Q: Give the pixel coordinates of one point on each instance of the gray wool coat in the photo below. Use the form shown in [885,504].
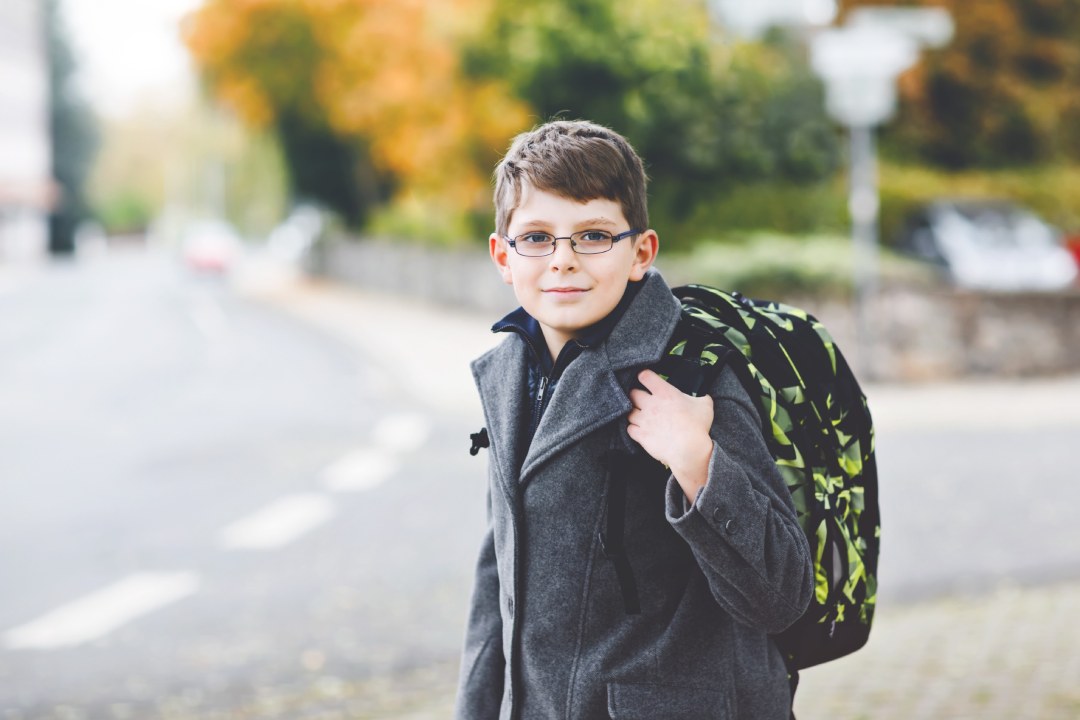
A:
[548,635]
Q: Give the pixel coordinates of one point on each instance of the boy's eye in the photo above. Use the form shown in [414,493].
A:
[535,238]
[593,236]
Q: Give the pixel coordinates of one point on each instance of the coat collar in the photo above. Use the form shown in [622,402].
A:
[591,393]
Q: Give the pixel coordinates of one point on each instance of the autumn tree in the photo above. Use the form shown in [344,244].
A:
[1005,91]
[366,96]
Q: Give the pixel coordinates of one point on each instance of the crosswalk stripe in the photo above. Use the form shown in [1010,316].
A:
[103,611]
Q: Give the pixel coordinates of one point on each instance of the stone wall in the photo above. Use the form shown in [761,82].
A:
[916,334]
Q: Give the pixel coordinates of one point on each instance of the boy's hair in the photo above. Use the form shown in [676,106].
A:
[576,159]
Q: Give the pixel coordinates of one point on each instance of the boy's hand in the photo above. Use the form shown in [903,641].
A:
[673,428]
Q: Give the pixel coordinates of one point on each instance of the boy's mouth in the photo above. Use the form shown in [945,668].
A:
[565,290]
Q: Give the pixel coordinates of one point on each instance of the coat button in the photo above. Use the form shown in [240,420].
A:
[718,514]
[729,527]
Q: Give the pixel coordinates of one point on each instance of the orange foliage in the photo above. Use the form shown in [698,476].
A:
[1006,89]
[385,72]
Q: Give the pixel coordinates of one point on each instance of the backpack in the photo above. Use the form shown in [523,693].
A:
[818,429]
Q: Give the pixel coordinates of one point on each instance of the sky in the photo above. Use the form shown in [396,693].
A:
[129,50]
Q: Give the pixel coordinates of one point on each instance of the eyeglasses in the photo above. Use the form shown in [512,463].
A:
[585,242]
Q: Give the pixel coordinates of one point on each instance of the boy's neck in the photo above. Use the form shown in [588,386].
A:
[555,341]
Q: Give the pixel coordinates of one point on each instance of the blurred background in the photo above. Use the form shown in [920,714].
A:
[243,268]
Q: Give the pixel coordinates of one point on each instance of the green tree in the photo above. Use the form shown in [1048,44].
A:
[73,133]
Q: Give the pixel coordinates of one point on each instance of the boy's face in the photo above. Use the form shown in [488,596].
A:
[567,292]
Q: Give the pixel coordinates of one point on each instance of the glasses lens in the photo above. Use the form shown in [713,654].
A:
[592,241]
[534,244]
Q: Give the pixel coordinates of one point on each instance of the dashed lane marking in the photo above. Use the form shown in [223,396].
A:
[279,523]
[402,433]
[208,317]
[102,612]
[361,469]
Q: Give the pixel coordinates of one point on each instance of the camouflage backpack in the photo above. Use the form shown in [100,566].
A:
[818,428]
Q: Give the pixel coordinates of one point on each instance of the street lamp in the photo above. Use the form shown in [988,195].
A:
[860,64]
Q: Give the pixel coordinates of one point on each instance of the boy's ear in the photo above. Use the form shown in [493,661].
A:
[500,256]
[645,248]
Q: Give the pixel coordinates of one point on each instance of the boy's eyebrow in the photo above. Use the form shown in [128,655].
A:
[590,223]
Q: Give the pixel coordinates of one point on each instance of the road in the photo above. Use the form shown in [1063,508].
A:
[203,497]
[216,506]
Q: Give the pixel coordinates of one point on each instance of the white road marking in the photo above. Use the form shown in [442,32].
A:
[279,523]
[208,317]
[402,433]
[103,611]
[361,469]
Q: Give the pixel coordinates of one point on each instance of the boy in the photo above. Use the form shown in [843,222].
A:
[563,625]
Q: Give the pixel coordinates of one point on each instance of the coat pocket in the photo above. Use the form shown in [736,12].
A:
[652,701]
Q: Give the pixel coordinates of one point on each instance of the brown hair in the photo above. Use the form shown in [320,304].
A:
[576,159]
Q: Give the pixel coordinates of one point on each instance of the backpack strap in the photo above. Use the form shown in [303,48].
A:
[691,373]
[620,467]
[689,370]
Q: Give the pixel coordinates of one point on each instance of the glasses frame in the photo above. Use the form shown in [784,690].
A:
[512,242]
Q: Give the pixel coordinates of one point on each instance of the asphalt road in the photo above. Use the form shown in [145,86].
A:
[202,497]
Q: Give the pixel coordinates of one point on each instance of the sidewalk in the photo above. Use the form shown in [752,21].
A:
[1007,656]
[436,370]
[1012,654]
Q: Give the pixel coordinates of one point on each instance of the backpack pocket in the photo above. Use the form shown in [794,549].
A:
[652,701]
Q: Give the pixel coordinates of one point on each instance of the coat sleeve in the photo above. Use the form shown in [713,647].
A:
[742,527]
[480,683]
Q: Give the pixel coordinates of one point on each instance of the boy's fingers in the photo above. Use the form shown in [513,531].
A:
[652,381]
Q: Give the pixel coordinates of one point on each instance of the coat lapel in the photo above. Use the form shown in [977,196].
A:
[501,376]
[593,391]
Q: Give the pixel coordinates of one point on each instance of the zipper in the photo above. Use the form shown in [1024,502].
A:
[539,406]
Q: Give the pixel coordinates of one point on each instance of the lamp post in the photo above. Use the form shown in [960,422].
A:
[860,64]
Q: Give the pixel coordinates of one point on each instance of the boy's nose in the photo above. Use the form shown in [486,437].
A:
[564,257]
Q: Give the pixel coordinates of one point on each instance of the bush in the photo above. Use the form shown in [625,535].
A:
[778,207]
[125,211]
[779,266]
[1051,191]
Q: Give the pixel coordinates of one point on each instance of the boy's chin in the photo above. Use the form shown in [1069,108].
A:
[566,323]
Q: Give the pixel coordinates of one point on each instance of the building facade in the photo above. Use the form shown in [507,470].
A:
[27,189]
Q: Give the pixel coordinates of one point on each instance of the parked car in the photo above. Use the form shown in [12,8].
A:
[210,245]
[988,245]
[1072,244]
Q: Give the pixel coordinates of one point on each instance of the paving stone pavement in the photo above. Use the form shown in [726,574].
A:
[1013,653]
[1009,655]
